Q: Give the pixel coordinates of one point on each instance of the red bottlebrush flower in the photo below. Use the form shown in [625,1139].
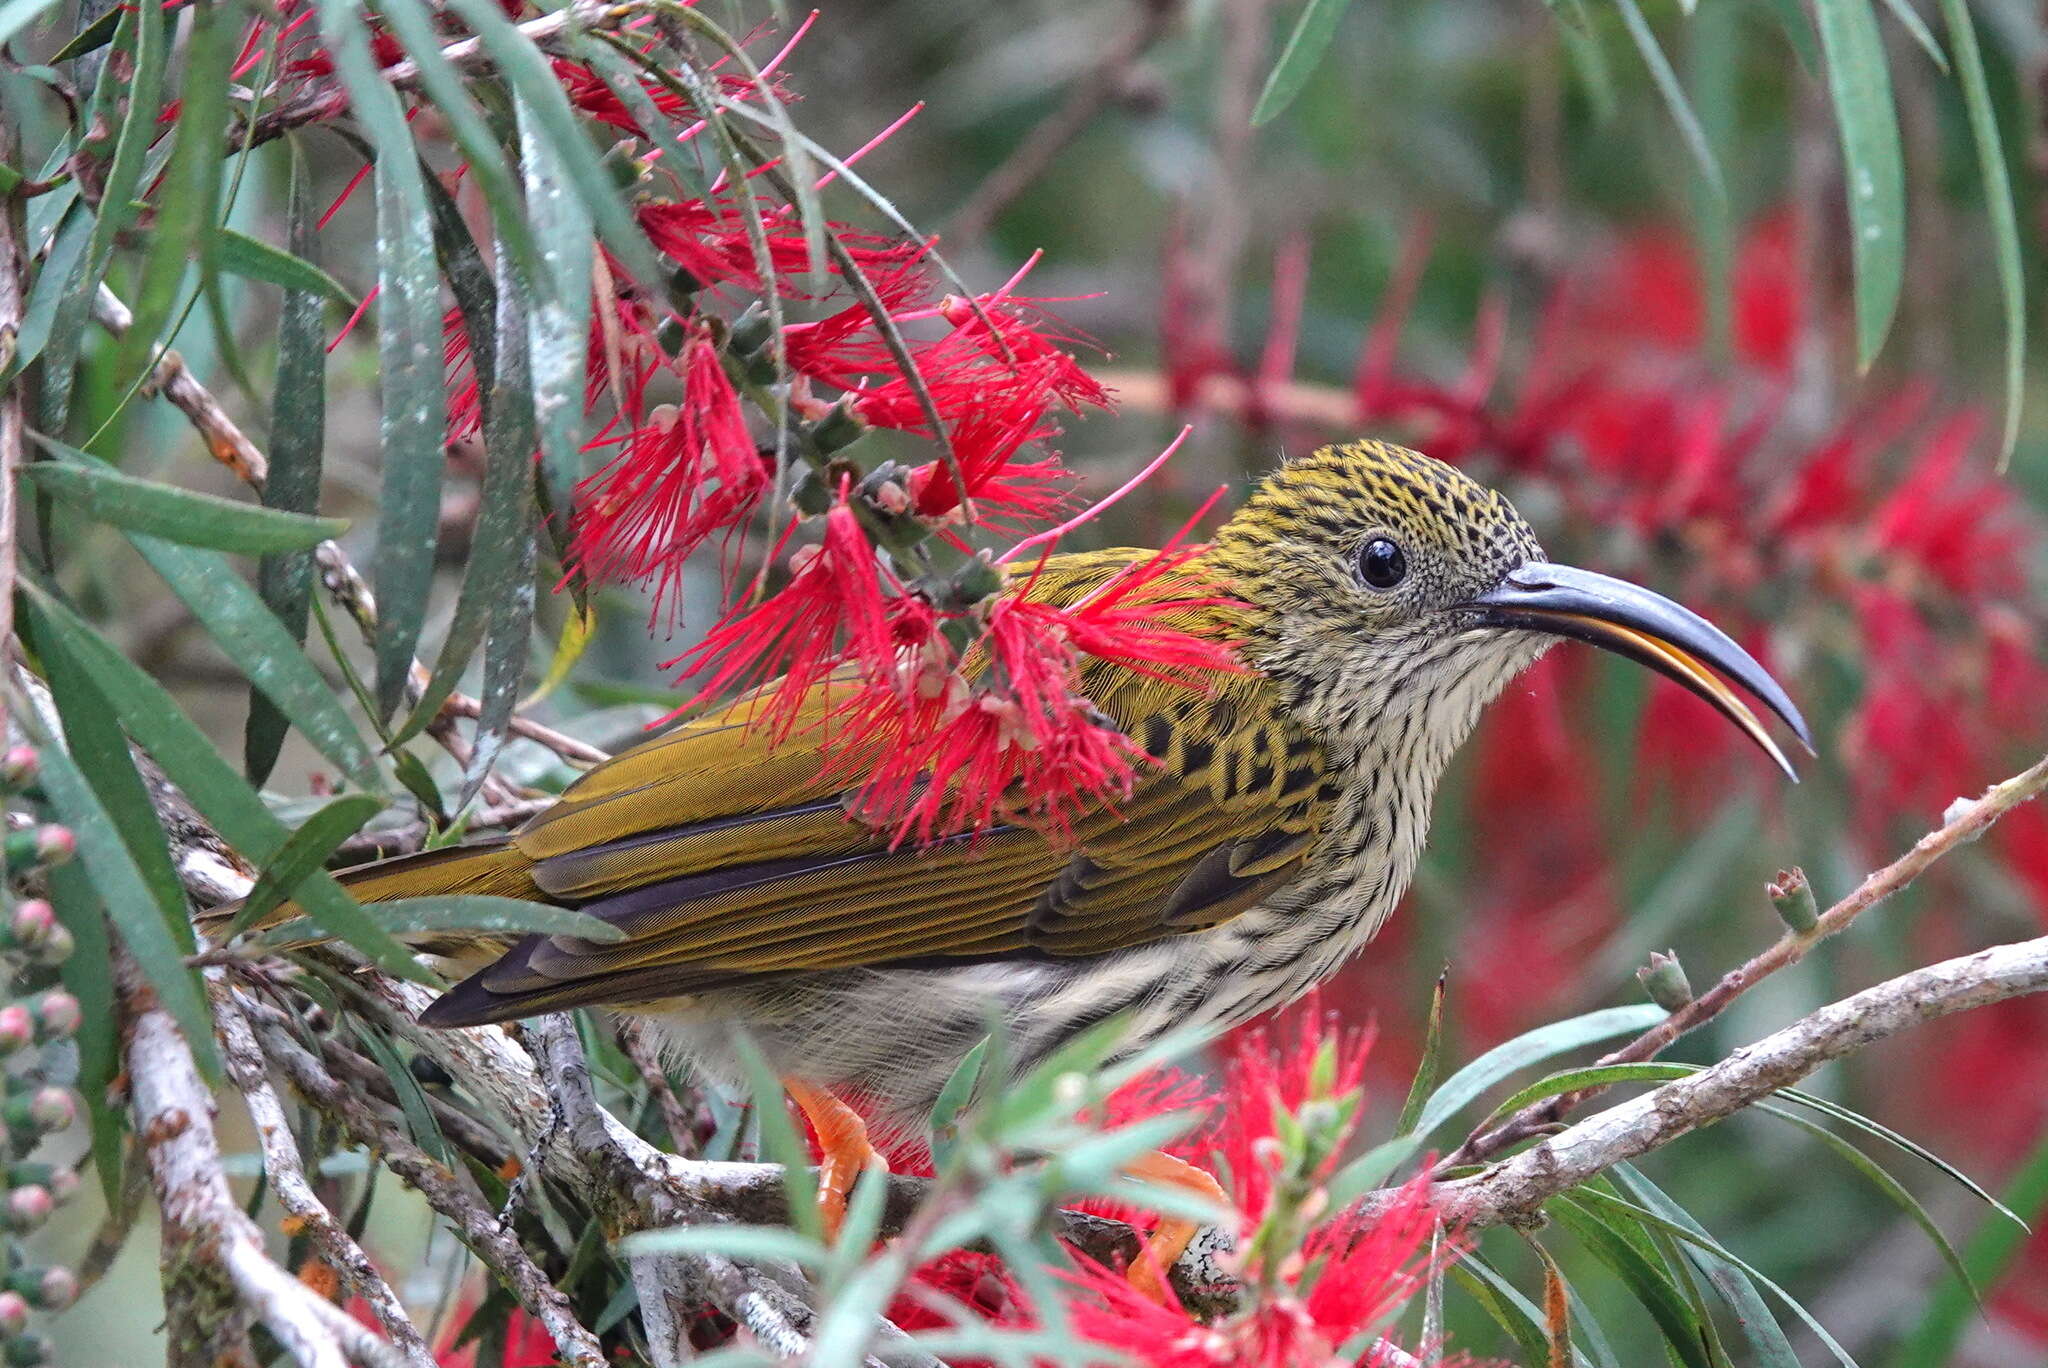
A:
[1958,526]
[836,589]
[936,755]
[960,370]
[690,473]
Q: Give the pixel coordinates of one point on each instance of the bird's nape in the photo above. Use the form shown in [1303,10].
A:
[1646,627]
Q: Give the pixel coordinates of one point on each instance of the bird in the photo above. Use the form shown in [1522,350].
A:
[1376,599]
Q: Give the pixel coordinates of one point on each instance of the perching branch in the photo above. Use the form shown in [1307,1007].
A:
[1513,1189]
[213,1256]
[1965,821]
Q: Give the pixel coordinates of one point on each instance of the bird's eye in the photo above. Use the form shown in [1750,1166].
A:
[1381,563]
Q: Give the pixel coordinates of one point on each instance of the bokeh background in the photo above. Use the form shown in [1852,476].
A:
[1480,230]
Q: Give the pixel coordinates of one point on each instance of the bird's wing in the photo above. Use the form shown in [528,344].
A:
[724,858]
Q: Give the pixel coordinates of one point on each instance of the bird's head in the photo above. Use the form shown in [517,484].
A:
[1385,585]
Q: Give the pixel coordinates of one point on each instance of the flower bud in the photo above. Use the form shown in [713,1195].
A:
[42,1112]
[1663,978]
[62,1185]
[17,1028]
[18,769]
[1792,895]
[57,1015]
[840,428]
[14,1310]
[47,1289]
[30,1351]
[55,844]
[56,947]
[750,332]
[34,920]
[27,1208]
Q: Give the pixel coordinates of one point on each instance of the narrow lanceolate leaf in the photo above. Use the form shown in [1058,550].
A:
[298,429]
[509,435]
[85,977]
[303,852]
[1768,1346]
[1988,1255]
[483,912]
[1860,87]
[148,41]
[61,265]
[1424,1082]
[523,67]
[1673,92]
[130,907]
[153,719]
[447,91]
[558,319]
[1909,19]
[182,516]
[255,259]
[92,734]
[1650,1284]
[1533,1047]
[1299,59]
[415,403]
[1998,204]
[188,204]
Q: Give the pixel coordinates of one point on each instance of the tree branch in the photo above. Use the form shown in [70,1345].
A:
[1965,821]
[1512,1190]
[209,1245]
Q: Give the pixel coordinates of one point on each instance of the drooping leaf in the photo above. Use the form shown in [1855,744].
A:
[412,1100]
[483,912]
[153,719]
[1299,59]
[414,416]
[1673,91]
[298,428]
[558,310]
[256,259]
[179,515]
[1650,1283]
[304,851]
[1988,1255]
[1860,87]
[88,976]
[1766,1337]
[1998,206]
[130,906]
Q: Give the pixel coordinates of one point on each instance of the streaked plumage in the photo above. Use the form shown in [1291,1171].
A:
[1281,825]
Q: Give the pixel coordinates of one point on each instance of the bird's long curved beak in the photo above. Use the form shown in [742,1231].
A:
[1650,630]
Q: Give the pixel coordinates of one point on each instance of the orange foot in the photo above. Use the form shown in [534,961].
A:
[1147,1272]
[843,1137]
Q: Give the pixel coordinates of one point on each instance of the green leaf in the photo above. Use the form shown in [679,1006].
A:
[255,259]
[1988,1255]
[1863,1123]
[92,37]
[1509,1309]
[447,91]
[415,404]
[419,1114]
[130,906]
[1766,1337]
[1651,1285]
[1593,1076]
[485,912]
[88,975]
[142,90]
[1860,86]
[182,516]
[303,852]
[558,318]
[188,204]
[1533,1047]
[752,1242]
[521,65]
[154,720]
[953,1099]
[1909,19]
[61,264]
[1298,60]
[780,1143]
[1669,87]
[1585,1199]
[1886,1184]
[298,428]
[1998,205]
[1426,1068]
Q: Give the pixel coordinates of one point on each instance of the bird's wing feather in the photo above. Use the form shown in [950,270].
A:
[724,859]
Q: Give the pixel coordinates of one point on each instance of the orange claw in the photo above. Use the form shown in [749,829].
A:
[1147,1272]
[843,1137]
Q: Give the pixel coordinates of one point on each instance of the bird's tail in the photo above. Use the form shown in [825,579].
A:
[494,866]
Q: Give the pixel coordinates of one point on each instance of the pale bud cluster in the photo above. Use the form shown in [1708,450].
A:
[38,1019]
